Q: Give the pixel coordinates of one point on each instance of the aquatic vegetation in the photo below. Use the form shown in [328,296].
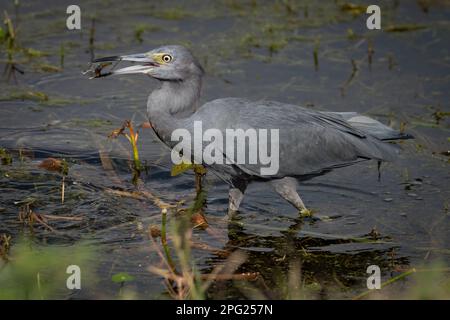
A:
[33,53]
[185,281]
[404,28]
[61,55]
[370,52]
[141,28]
[92,38]
[351,34]
[439,115]
[353,74]
[48,68]
[301,52]
[56,165]
[39,272]
[122,278]
[26,95]
[5,157]
[9,38]
[132,137]
[429,282]
[16,54]
[22,93]
[171,13]
[28,217]
[91,123]
[199,170]
[2,35]
[316,55]
[353,9]
[60,166]
[5,245]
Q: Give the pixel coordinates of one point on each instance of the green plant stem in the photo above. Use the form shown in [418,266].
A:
[164,240]
[133,140]
[384,284]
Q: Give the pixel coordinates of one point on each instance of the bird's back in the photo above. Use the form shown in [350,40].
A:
[310,142]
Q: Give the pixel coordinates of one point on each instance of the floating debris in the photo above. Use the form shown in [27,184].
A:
[199,220]
[56,165]
[154,231]
[60,166]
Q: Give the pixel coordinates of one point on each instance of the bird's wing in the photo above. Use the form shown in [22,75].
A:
[309,141]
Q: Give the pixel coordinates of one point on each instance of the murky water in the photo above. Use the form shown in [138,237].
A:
[249,49]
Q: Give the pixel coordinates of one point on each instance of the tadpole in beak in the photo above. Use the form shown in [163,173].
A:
[146,64]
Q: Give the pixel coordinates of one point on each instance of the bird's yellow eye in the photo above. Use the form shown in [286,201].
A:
[166,58]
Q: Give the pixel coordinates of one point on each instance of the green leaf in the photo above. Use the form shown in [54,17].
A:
[180,168]
[122,277]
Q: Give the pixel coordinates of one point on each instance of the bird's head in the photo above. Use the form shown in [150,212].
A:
[167,63]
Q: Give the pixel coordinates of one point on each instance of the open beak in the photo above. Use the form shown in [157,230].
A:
[145,65]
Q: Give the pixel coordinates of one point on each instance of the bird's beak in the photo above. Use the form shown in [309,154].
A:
[146,64]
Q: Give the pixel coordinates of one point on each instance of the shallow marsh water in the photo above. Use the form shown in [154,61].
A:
[252,49]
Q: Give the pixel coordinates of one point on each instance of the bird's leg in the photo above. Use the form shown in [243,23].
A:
[236,194]
[287,189]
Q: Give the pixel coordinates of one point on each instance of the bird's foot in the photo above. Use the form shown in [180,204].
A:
[231,213]
[306,213]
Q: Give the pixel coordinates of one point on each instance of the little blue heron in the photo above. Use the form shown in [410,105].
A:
[311,143]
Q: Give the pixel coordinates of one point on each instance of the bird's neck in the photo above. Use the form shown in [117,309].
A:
[171,103]
[178,99]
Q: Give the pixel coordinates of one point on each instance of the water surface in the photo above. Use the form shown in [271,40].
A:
[252,49]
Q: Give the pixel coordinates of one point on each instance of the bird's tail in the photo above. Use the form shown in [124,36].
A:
[371,126]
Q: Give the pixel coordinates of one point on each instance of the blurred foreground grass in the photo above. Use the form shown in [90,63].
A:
[34,271]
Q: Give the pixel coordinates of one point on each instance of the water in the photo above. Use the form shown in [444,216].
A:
[261,50]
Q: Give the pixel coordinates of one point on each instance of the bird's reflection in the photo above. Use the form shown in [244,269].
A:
[324,267]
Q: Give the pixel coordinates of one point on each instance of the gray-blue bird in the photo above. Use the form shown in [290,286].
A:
[311,143]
